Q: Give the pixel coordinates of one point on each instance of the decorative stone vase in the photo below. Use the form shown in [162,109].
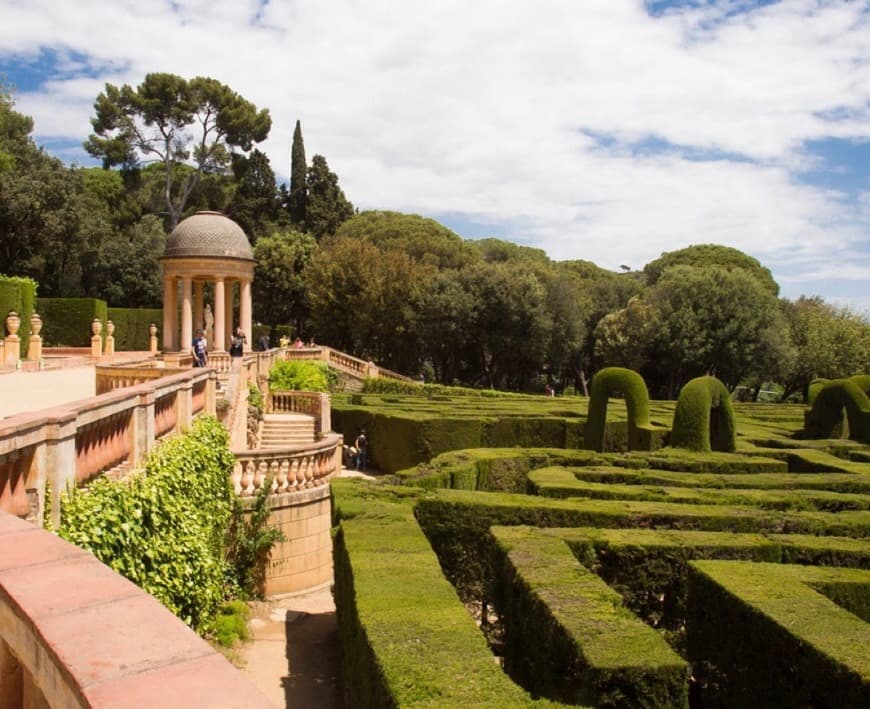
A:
[35,325]
[13,323]
[110,328]
[96,327]
[152,330]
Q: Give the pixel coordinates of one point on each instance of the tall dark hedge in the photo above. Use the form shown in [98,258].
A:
[18,294]
[67,321]
[131,326]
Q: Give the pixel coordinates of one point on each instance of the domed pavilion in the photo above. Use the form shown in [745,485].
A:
[207,247]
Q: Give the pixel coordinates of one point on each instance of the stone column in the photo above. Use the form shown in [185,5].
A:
[152,339]
[12,343]
[186,315]
[142,428]
[228,313]
[170,294]
[198,319]
[219,316]
[245,314]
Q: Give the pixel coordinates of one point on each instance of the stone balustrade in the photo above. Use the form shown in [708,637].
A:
[70,444]
[310,403]
[291,469]
[343,362]
[75,634]
[116,376]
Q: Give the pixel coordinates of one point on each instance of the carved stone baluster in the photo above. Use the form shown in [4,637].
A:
[293,474]
[273,474]
[248,478]
[236,477]
[260,475]
[281,477]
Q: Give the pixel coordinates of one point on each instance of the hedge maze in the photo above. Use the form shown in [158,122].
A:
[546,574]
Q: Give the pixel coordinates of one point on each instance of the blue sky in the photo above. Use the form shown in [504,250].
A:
[609,130]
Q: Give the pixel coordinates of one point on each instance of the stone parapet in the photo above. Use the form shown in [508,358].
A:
[73,633]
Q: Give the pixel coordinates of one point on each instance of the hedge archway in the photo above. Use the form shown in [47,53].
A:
[704,418]
[825,417]
[630,384]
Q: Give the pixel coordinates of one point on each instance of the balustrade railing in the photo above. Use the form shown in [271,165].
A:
[67,444]
[311,403]
[290,469]
[343,362]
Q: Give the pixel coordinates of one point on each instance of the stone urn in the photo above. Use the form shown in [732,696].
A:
[13,323]
[96,327]
[152,330]
[35,325]
[110,328]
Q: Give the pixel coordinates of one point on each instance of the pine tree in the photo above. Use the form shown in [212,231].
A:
[298,186]
[327,206]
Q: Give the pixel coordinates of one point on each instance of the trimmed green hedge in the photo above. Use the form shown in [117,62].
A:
[18,294]
[67,321]
[630,384]
[826,413]
[761,635]
[704,418]
[132,327]
[588,648]
[405,639]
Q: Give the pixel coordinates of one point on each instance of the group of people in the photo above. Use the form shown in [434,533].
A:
[199,349]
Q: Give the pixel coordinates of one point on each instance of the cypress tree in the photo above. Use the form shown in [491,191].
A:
[298,186]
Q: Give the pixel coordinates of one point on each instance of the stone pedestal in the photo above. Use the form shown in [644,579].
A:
[152,339]
[34,347]
[96,340]
[110,338]
[12,343]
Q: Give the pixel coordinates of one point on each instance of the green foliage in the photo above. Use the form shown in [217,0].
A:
[249,542]
[299,375]
[223,119]
[67,321]
[255,397]
[132,326]
[298,206]
[280,297]
[630,384]
[704,417]
[590,648]
[326,207]
[165,529]
[826,413]
[766,637]
[231,623]
[18,294]
[703,255]
[255,202]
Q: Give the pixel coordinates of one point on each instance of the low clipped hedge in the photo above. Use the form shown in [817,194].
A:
[404,638]
[164,529]
[132,327]
[588,648]
[704,417]
[18,294]
[67,321]
[630,384]
[762,635]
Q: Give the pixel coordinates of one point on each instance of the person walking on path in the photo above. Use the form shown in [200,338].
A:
[362,449]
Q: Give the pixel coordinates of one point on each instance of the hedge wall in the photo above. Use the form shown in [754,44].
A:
[588,648]
[404,638]
[761,635]
[704,417]
[67,321]
[132,327]
[18,294]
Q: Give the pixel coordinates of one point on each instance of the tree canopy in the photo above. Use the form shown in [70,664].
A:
[175,121]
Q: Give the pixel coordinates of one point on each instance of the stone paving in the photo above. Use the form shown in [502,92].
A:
[34,391]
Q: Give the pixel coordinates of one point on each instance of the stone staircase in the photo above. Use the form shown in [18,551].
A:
[280,430]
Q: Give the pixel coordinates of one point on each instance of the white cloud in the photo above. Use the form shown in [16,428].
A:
[485,109]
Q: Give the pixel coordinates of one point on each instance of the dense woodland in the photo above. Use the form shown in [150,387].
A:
[399,289]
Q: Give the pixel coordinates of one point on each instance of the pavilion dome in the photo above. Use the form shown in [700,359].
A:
[209,234]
